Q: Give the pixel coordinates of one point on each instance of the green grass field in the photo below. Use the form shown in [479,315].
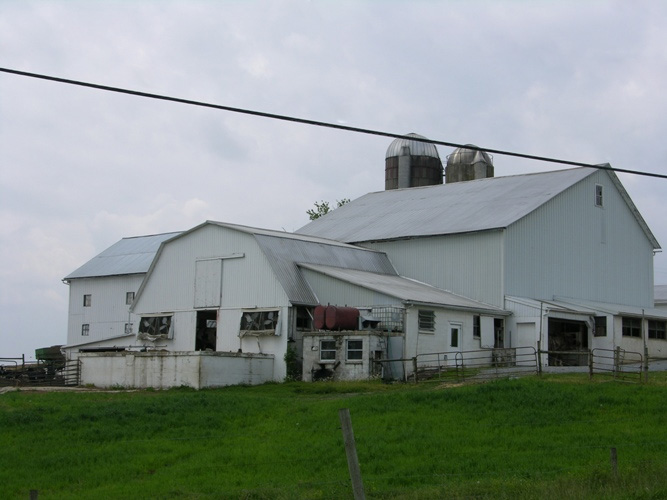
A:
[527,438]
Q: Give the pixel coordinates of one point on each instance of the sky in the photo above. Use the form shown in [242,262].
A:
[82,168]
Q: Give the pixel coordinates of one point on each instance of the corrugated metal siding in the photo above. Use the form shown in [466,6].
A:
[571,248]
[128,256]
[467,264]
[108,312]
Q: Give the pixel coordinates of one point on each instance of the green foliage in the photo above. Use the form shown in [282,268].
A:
[527,438]
[294,366]
[323,208]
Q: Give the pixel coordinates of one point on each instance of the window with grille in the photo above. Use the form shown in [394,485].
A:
[426,321]
[327,350]
[355,350]
[632,327]
[657,330]
[85,330]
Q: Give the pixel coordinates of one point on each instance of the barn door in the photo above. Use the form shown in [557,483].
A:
[208,283]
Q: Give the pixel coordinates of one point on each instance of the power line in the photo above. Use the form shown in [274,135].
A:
[316,123]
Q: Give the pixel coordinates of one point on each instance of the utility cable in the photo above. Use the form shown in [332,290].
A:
[316,123]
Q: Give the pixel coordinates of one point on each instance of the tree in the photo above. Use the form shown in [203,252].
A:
[323,208]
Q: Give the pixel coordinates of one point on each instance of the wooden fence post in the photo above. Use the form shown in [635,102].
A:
[34,494]
[614,462]
[351,452]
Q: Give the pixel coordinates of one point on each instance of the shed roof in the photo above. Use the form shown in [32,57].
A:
[404,289]
[460,207]
[128,256]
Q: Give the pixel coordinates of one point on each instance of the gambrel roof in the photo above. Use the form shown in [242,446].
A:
[284,250]
[127,256]
[460,207]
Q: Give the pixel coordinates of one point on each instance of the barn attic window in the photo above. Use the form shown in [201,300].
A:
[259,323]
[598,195]
[87,300]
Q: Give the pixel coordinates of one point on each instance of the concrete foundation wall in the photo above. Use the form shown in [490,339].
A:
[164,369]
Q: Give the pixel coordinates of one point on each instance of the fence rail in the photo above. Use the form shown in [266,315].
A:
[66,373]
[618,364]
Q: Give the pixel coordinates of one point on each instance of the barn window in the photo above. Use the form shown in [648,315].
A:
[426,321]
[632,327]
[128,328]
[598,195]
[355,350]
[476,327]
[327,350]
[129,298]
[87,300]
[85,330]
[600,326]
[657,330]
[156,326]
[259,322]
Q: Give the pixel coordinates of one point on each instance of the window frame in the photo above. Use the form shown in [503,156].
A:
[633,328]
[129,298]
[85,330]
[145,331]
[87,300]
[426,321]
[657,329]
[455,340]
[253,319]
[599,195]
[357,350]
[477,326]
[328,349]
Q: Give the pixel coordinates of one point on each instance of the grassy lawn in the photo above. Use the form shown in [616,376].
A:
[526,438]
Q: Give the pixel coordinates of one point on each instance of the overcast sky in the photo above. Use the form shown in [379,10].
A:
[82,168]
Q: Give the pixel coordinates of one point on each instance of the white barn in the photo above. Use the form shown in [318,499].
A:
[567,252]
[560,261]
[223,304]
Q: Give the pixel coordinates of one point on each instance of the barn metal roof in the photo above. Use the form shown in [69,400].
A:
[460,207]
[283,250]
[404,289]
[128,256]
[660,294]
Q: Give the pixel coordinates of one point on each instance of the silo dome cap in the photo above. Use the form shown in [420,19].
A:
[467,156]
[416,148]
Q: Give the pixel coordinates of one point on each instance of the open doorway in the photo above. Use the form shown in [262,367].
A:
[206,331]
[571,337]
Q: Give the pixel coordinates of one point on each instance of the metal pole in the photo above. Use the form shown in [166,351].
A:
[351,452]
